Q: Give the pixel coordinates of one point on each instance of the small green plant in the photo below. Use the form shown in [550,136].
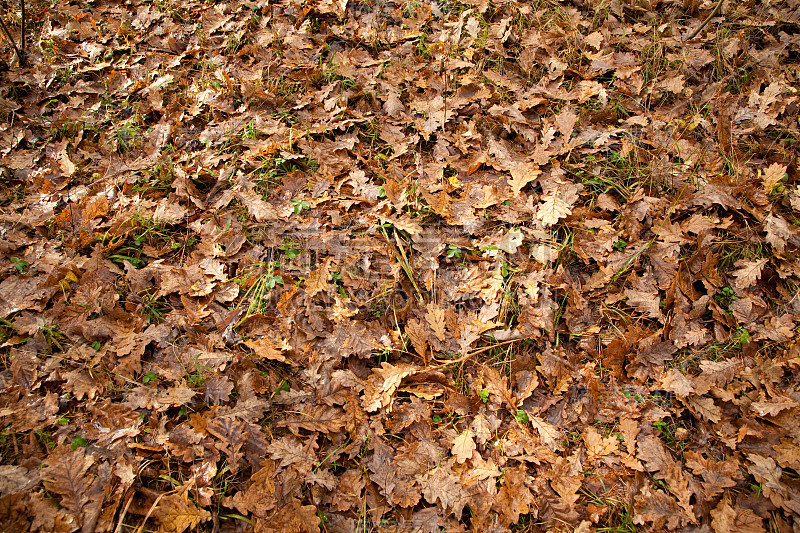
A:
[290,248]
[668,432]
[453,251]
[299,205]
[250,131]
[725,293]
[127,137]
[620,245]
[522,417]
[20,265]
[283,386]
[150,376]
[79,442]
[259,279]
[483,395]
[741,336]
[155,309]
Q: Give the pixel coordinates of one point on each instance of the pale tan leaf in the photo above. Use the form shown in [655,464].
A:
[510,241]
[674,381]
[382,384]
[772,408]
[266,348]
[704,407]
[594,40]
[772,176]
[435,318]
[726,519]
[749,272]
[598,446]
[317,280]
[552,210]
[463,446]
[393,106]
[778,231]
[522,174]
[549,433]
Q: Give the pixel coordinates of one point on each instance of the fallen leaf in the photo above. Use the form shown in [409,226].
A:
[463,446]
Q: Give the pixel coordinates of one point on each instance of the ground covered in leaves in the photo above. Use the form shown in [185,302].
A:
[400,266]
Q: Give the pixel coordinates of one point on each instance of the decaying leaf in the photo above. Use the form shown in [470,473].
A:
[412,266]
[463,446]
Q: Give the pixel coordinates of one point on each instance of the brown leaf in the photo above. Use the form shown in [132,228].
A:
[553,209]
[176,514]
[435,318]
[463,446]
[266,348]
[67,475]
[772,176]
[218,390]
[514,497]
[596,445]
[548,433]
[379,391]
[749,272]
[726,519]
[232,434]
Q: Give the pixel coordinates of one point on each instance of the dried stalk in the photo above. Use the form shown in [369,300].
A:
[707,20]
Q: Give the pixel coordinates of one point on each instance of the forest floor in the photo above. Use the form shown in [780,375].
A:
[421,266]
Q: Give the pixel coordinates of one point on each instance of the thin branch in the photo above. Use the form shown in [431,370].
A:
[10,38]
[22,27]
[706,21]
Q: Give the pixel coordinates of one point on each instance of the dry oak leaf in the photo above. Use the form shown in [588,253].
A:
[522,174]
[772,408]
[376,395]
[717,475]
[463,446]
[653,453]
[317,280]
[322,418]
[218,389]
[176,514]
[596,445]
[66,475]
[553,209]
[511,241]
[772,176]
[259,498]
[15,479]
[787,454]
[674,381]
[440,484]
[726,519]
[704,407]
[749,272]
[548,433]
[266,348]
[514,498]
[768,473]
[778,231]
[435,318]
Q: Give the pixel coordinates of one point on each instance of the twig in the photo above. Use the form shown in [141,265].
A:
[22,27]
[706,21]
[476,352]
[10,39]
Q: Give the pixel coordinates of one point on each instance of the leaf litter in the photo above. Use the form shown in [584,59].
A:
[400,266]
